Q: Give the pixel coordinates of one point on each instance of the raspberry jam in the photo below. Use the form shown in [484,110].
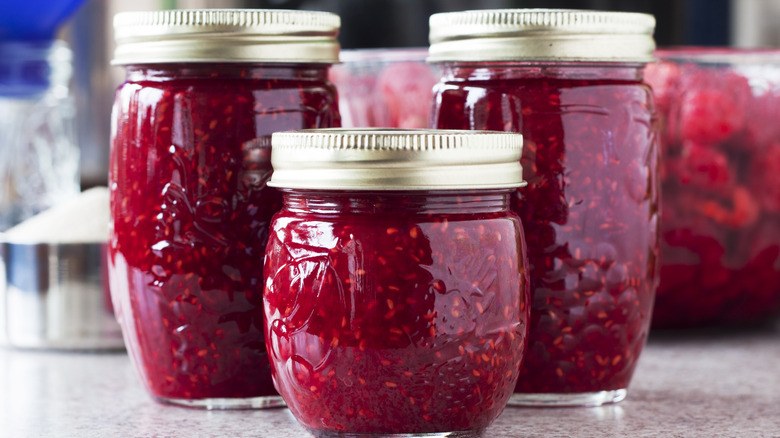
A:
[590,211]
[190,208]
[395,312]
[721,181]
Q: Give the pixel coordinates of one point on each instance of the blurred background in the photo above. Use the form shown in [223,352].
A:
[381,23]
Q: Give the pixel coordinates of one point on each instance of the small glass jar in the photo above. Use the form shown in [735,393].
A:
[190,208]
[720,228]
[396,286]
[571,83]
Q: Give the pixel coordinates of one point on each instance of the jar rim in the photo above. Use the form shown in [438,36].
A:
[226,35]
[385,159]
[719,55]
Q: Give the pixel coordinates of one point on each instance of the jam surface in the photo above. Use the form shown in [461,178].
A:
[395,313]
[721,181]
[190,210]
[589,211]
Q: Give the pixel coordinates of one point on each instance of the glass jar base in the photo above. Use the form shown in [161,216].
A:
[584,399]
[459,434]
[273,401]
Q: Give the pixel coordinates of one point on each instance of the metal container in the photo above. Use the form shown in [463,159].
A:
[55,296]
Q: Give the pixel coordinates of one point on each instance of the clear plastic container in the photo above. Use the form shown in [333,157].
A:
[720,227]
[384,87]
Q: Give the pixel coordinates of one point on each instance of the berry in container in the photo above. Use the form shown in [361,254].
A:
[720,228]
[384,87]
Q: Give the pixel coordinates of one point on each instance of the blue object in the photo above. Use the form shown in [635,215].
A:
[34,20]
[27,68]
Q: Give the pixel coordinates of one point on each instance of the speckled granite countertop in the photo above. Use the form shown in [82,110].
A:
[688,384]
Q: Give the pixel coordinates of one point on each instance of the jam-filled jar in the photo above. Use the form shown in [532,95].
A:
[190,208]
[396,282]
[571,83]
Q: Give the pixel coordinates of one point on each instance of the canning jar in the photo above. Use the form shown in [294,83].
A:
[396,285]
[190,208]
[571,83]
[720,228]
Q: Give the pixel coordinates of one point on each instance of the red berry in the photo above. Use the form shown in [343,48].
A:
[743,211]
[713,105]
[702,167]
[709,116]
[406,88]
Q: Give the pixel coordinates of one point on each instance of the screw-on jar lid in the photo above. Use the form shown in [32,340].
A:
[541,35]
[226,35]
[396,159]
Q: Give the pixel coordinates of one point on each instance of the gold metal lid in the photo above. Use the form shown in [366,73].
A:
[541,35]
[226,35]
[396,159]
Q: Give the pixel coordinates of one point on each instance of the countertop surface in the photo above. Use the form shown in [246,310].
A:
[714,383]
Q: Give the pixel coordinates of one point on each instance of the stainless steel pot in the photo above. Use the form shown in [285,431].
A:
[55,296]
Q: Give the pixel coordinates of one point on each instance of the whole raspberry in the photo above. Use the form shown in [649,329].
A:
[406,88]
[703,168]
[713,105]
[740,212]
[709,116]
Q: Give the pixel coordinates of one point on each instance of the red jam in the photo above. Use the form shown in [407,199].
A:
[190,209]
[721,182]
[399,312]
[589,211]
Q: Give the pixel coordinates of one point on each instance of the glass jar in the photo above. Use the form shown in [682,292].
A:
[571,83]
[40,165]
[396,285]
[190,208]
[720,233]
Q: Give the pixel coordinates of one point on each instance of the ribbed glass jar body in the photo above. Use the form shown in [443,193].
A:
[590,212]
[396,312]
[190,209]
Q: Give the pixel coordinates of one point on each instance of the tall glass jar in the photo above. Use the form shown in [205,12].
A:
[190,208]
[571,83]
[396,284]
